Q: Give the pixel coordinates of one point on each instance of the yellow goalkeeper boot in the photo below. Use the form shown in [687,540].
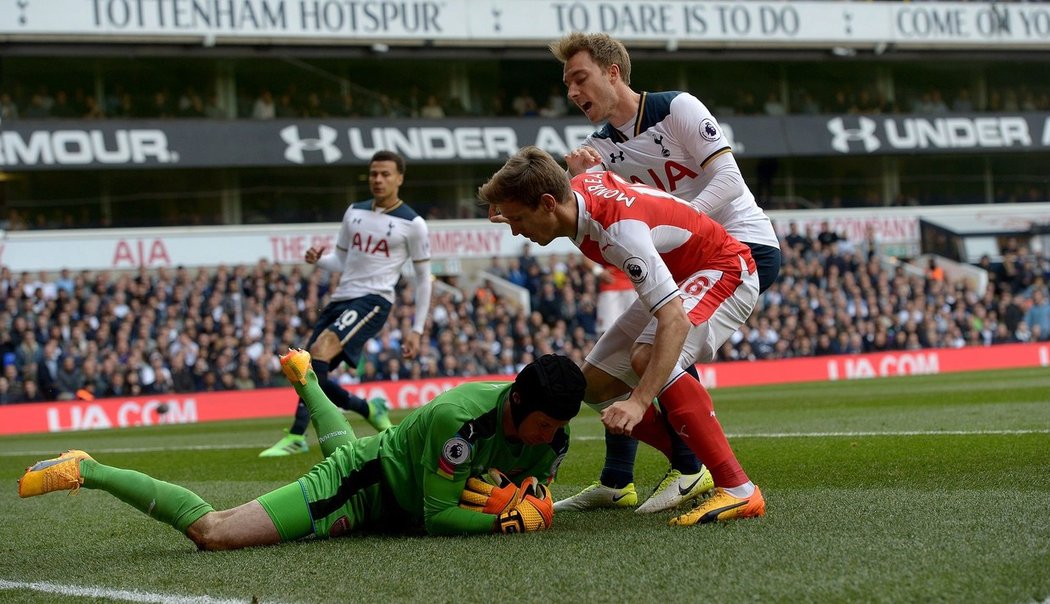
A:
[721,506]
[597,495]
[296,365]
[61,473]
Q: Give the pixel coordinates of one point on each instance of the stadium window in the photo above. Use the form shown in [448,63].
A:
[933,87]
[940,179]
[1019,178]
[845,182]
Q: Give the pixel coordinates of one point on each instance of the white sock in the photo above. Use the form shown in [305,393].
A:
[743,491]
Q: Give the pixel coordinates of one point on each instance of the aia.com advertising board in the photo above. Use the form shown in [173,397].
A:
[49,145]
[192,408]
[277,402]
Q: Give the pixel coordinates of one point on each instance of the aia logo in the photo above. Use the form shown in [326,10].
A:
[370,245]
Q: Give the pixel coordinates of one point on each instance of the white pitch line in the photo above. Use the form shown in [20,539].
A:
[866,434]
[114,594]
[139,449]
[583,438]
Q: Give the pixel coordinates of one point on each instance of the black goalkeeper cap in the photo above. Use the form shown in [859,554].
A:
[552,384]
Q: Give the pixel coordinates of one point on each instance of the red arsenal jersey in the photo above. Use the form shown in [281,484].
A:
[655,238]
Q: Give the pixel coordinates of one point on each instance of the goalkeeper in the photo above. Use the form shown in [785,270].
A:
[419,475]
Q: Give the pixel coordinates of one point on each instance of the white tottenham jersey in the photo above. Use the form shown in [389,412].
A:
[674,137]
[373,246]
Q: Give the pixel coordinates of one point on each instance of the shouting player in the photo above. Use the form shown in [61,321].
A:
[667,140]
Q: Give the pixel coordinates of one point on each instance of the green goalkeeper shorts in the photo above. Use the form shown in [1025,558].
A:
[342,493]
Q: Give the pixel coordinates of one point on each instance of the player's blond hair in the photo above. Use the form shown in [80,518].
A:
[526,176]
[605,51]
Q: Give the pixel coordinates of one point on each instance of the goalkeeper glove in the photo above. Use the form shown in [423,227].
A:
[495,496]
[534,512]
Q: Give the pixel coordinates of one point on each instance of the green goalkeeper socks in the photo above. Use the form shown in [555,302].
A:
[333,430]
[163,501]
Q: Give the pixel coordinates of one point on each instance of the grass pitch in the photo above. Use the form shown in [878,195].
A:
[890,490]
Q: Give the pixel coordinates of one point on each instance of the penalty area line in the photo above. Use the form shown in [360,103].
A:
[856,434]
[113,594]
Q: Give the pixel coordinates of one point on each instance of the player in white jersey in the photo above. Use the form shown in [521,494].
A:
[376,238]
[696,285]
[668,140]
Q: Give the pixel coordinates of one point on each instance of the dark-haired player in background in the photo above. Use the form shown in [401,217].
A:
[376,238]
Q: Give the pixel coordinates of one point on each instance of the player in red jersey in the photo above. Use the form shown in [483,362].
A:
[696,285]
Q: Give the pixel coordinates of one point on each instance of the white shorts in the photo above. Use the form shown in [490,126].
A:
[718,306]
[612,304]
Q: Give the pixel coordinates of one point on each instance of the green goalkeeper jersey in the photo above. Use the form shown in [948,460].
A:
[427,458]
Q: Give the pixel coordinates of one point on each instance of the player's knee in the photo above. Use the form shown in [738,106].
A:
[326,347]
[640,355]
[601,386]
[211,532]
[203,533]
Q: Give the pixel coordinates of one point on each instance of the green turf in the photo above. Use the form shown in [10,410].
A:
[919,489]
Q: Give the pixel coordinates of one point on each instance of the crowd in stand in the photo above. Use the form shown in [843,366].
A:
[342,102]
[90,335]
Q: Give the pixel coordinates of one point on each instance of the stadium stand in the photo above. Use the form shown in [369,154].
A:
[104,334]
[840,122]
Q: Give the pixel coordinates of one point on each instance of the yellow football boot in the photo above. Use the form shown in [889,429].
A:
[295,365]
[61,473]
[722,506]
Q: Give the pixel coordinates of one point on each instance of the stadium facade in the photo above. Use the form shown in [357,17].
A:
[828,104]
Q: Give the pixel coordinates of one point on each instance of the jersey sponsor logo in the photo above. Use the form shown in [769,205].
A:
[372,246]
[708,129]
[615,157]
[324,143]
[635,269]
[673,172]
[843,137]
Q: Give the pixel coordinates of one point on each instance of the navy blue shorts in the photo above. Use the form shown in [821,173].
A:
[354,322]
[767,261]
